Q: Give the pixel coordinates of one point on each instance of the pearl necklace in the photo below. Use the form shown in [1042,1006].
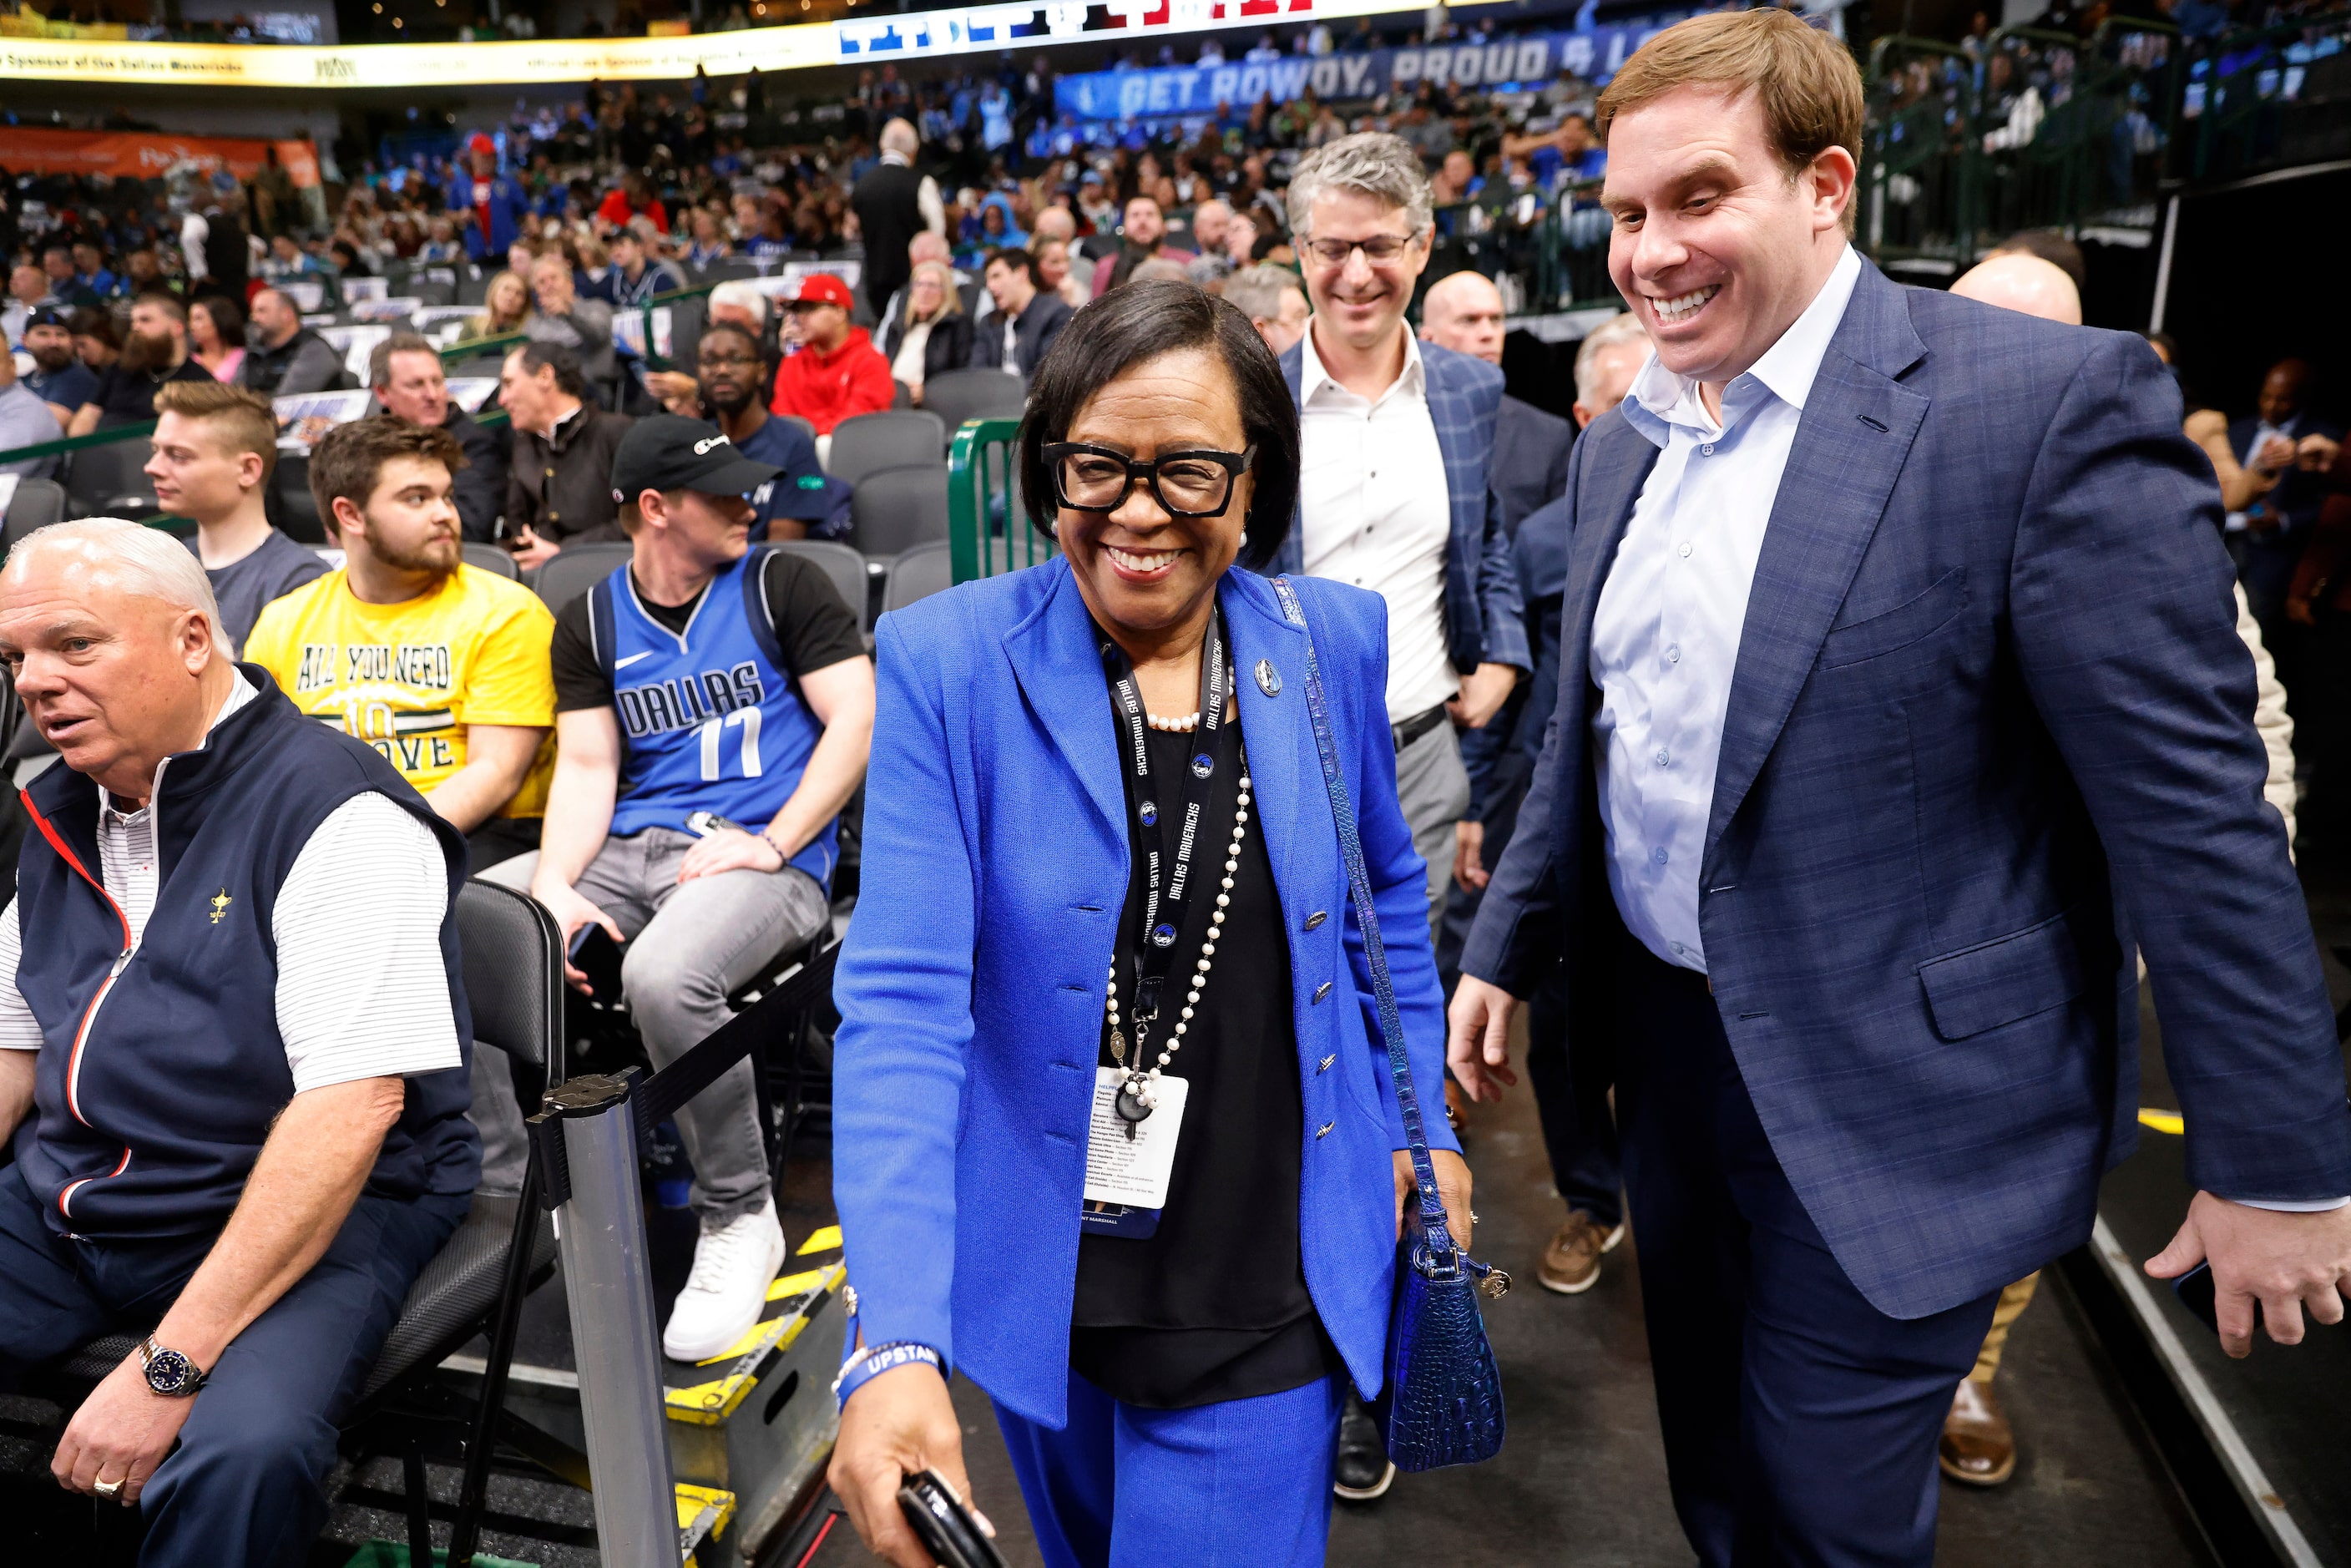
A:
[1173,726]
[1145,1080]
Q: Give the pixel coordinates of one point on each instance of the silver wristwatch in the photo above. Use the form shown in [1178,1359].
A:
[170,1372]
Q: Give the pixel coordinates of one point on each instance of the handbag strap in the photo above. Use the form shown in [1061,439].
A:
[1438,1238]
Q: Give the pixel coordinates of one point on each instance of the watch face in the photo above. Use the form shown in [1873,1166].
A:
[169,1372]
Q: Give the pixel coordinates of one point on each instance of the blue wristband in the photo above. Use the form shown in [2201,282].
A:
[865,1365]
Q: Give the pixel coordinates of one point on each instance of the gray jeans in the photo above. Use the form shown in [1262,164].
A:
[689,949]
[1433,787]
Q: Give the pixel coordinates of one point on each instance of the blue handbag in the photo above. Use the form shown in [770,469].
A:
[1442,1402]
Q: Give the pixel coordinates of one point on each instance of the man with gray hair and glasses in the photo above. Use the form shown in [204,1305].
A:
[1396,440]
[235,1126]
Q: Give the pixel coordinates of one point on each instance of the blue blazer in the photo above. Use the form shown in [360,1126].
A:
[1991,727]
[996,867]
[1482,613]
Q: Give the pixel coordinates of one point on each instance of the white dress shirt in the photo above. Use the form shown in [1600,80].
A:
[362,991]
[1373,510]
[1665,636]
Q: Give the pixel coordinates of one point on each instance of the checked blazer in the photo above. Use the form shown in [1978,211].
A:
[1483,618]
[1990,729]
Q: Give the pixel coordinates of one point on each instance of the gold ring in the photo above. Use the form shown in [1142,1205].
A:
[110,1490]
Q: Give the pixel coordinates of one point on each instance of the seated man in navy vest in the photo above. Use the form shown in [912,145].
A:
[232,1043]
[714,706]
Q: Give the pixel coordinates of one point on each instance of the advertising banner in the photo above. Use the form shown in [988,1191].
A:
[1024,24]
[1179,91]
[144,154]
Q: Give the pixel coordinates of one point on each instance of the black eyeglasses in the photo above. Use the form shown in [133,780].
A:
[1379,250]
[1185,484]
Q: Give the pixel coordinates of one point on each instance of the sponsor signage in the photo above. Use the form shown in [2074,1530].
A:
[140,155]
[1180,91]
[879,39]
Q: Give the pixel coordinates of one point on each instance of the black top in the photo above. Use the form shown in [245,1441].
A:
[126,396]
[1213,1306]
[813,628]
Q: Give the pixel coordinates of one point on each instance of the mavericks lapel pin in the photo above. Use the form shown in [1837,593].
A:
[1268,679]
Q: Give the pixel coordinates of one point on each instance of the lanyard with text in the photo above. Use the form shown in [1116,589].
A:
[1167,891]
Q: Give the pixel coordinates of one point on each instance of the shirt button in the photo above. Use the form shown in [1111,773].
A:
[1673,653]
[1660,857]
[1685,550]
[1677,947]
[1664,758]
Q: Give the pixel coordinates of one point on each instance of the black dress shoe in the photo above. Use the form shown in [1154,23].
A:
[1363,1471]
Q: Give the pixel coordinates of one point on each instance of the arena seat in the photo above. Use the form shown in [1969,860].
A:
[493,559]
[981,394]
[574,572]
[796,419]
[292,507]
[843,565]
[917,573]
[898,507]
[513,967]
[109,481]
[893,439]
[37,504]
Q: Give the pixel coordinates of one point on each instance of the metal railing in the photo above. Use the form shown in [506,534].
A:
[2030,130]
[2277,98]
[989,527]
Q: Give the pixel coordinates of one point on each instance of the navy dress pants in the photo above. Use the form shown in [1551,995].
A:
[1800,1421]
[245,1484]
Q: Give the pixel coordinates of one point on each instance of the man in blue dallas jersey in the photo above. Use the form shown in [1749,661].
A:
[703,680]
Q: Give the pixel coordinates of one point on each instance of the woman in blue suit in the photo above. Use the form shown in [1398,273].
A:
[1114,1134]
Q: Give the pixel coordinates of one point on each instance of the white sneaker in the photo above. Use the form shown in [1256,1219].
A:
[733,1265]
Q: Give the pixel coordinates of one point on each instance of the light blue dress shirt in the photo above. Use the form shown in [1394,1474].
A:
[1665,636]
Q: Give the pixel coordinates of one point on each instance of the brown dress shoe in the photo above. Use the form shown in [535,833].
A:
[1977,1447]
[1571,1264]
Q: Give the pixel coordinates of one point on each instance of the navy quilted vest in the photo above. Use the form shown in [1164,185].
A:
[161,1068]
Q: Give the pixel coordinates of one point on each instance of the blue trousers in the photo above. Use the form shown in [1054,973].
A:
[245,1484]
[1800,1421]
[1244,1483]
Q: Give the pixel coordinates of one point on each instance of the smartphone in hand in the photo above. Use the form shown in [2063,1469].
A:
[2197,1293]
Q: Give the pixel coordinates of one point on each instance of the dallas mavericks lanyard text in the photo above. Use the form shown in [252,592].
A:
[1212,746]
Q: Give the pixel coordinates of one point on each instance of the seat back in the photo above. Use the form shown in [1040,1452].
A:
[806,425]
[918,573]
[891,439]
[897,508]
[494,557]
[109,481]
[37,504]
[843,565]
[513,958]
[982,393]
[293,508]
[576,569]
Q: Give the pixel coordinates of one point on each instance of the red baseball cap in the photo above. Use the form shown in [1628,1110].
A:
[824,288]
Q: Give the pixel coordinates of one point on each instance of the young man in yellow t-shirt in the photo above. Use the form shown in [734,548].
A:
[441,667]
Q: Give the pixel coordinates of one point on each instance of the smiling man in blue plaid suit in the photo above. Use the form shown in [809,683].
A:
[1900,699]
[1396,438]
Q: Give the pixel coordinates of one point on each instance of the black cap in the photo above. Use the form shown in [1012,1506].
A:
[663,452]
[48,316]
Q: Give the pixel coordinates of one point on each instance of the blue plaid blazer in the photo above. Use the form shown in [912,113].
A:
[1990,729]
[1483,618]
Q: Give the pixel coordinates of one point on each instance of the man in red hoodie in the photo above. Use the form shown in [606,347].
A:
[838,372]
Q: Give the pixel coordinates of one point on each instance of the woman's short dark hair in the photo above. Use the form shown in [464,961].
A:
[1141,321]
[227,320]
